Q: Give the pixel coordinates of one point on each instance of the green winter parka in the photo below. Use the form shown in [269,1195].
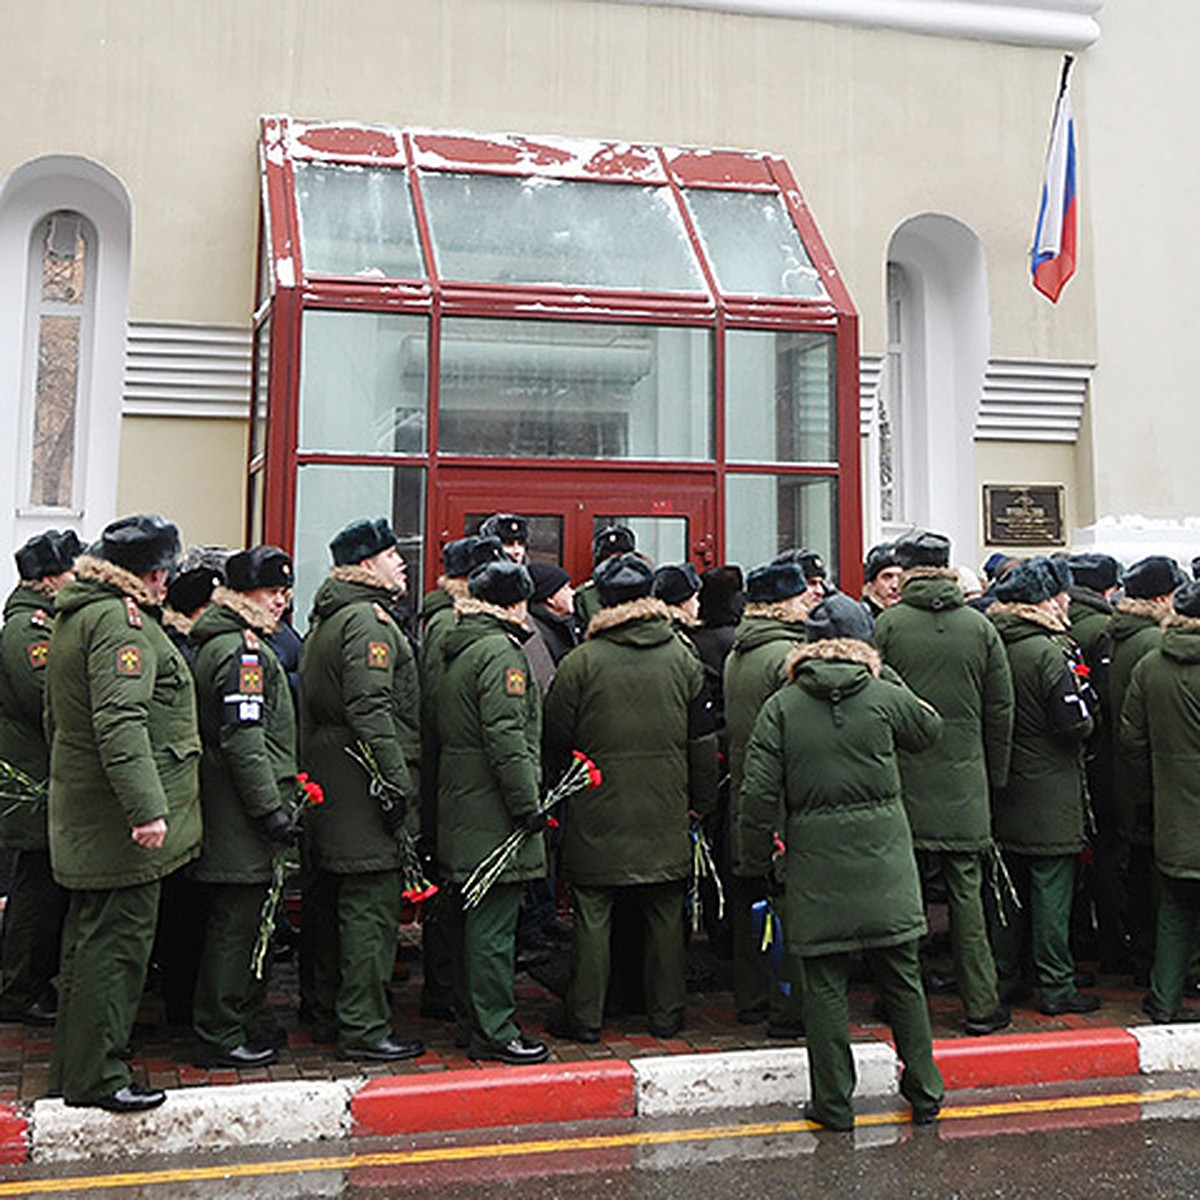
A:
[755,669]
[1042,810]
[826,744]
[1160,735]
[24,655]
[489,729]
[358,683]
[248,727]
[953,658]
[633,698]
[124,744]
[1135,631]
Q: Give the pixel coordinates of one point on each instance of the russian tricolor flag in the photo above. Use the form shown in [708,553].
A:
[1053,260]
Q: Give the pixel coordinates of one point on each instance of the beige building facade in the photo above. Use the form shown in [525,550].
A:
[915,130]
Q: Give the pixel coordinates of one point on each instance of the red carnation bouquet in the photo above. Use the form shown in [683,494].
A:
[308,794]
[580,775]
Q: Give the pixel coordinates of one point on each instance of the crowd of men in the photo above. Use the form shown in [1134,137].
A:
[163,731]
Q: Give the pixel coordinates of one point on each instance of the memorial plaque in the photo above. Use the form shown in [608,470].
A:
[1020,514]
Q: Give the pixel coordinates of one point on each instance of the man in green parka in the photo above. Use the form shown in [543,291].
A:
[124,797]
[633,699]
[247,790]
[1135,630]
[1040,815]
[952,657]
[358,693]
[825,748]
[489,765]
[36,905]
[778,600]
[1160,734]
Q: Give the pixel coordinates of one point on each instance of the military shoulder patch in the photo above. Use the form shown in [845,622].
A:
[250,675]
[379,655]
[129,661]
[39,654]
[514,681]
[381,612]
[39,618]
[133,614]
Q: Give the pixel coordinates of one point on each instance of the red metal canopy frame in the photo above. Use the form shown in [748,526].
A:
[287,290]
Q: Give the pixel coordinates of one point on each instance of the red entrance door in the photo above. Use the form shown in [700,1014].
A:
[672,513]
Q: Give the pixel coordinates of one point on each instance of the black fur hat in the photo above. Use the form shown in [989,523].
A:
[676,582]
[1029,582]
[259,567]
[362,539]
[776,581]
[1099,572]
[921,548]
[879,558]
[192,589]
[837,616]
[1153,576]
[508,527]
[1187,600]
[502,583]
[622,578]
[809,561]
[49,553]
[140,544]
[458,556]
[613,539]
[1196,568]
[1061,567]
[722,595]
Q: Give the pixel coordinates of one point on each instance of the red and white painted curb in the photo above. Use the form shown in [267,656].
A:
[216,1118]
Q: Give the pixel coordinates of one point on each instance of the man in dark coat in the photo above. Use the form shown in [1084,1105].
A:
[36,906]
[1040,814]
[1160,733]
[124,797]
[952,657]
[824,747]
[489,766]
[247,789]
[633,699]
[359,692]
[552,609]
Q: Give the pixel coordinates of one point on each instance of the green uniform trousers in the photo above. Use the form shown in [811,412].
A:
[354,953]
[227,994]
[974,967]
[1141,899]
[755,988]
[897,973]
[106,949]
[661,908]
[487,948]
[1040,930]
[1178,909]
[33,925]
[438,987]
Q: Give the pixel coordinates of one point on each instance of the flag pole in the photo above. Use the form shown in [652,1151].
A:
[1068,63]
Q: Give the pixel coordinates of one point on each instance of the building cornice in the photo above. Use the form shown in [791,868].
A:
[1055,24]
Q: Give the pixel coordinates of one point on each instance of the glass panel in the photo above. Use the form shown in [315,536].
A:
[662,540]
[545,535]
[262,379]
[780,392]
[255,495]
[767,514]
[357,220]
[362,382]
[64,259]
[558,390]
[497,229]
[55,397]
[754,247]
[330,497]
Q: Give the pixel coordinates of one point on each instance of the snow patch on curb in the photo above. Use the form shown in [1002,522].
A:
[1167,1047]
[742,1078]
[207,1118]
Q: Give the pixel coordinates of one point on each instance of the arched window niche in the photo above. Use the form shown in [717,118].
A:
[65,224]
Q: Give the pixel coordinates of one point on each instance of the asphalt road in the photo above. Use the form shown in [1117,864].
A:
[1123,1138]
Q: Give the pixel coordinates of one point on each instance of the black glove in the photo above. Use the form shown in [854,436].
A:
[278,828]
[534,822]
[394,814]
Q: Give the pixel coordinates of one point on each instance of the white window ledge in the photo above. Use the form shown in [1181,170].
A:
[1058,24]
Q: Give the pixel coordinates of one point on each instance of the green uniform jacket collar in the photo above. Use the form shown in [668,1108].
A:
[933,588]
[644,622]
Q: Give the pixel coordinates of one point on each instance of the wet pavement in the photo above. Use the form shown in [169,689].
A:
[163,1055]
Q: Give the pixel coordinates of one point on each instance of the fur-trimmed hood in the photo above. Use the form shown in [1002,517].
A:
[363,575]
[255,615]
[928,573]
[179,622]
[466,606]
[1181,638]
[453,586]
[1029,613]
[462,635]
[90,570]
[776,610]
[681,616]
[644,609]
[845,650]
[1154,609]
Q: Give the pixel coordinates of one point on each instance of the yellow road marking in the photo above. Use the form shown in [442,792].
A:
[608,1141]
